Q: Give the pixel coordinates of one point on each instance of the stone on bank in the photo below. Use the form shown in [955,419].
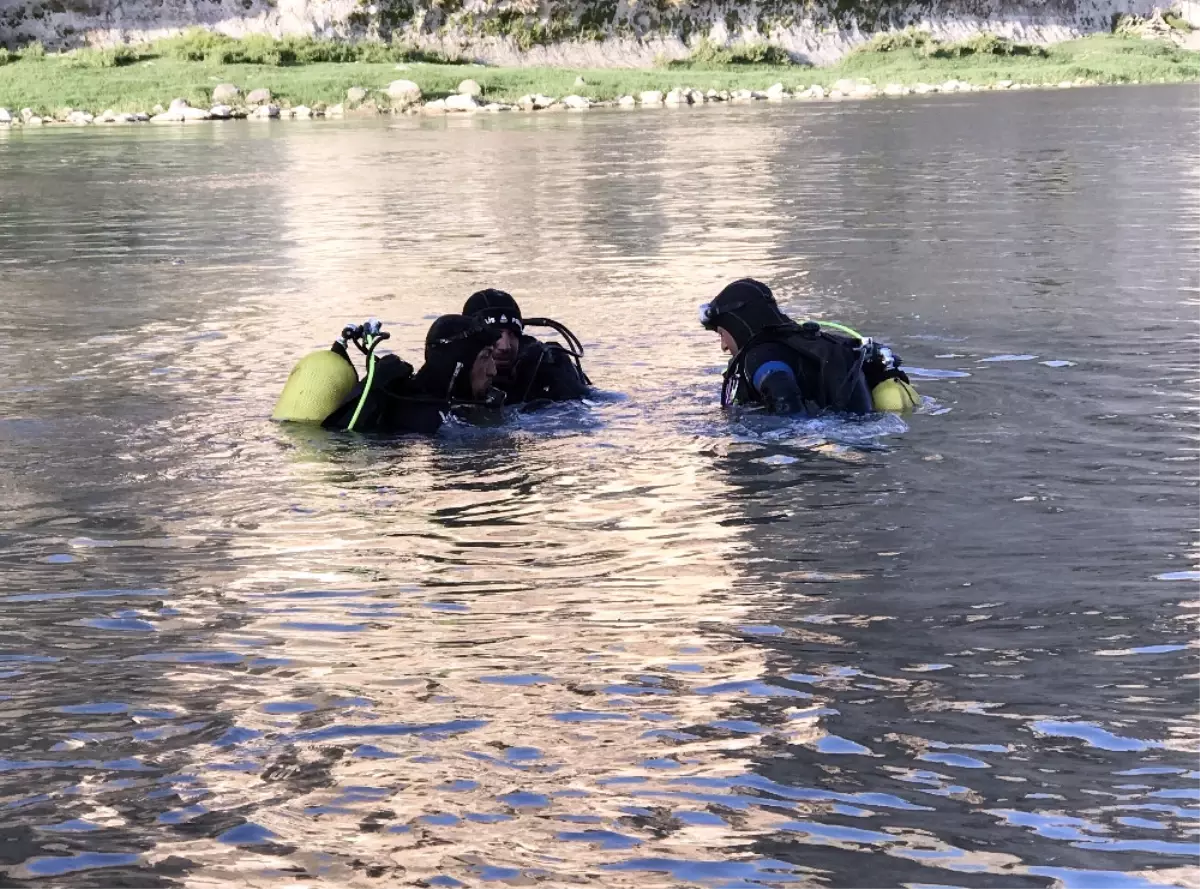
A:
[179,112]
[403,93]
[535,102]
[460,102]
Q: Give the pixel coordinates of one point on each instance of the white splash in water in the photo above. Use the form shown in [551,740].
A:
[1178,575]
[933,373]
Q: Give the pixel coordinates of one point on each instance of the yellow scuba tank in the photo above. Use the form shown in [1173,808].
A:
[895,395]
[317,386]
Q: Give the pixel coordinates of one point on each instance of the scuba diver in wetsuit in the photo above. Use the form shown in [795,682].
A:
[455,381]
[529,370]
[806,368]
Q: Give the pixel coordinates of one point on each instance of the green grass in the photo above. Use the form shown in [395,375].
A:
[299,72]
[1106,59]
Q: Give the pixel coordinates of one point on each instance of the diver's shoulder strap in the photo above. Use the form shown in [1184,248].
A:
[388,376]
[391,371]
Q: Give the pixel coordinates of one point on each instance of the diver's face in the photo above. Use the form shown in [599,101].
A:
[728,343]
[483,371]
[505,350]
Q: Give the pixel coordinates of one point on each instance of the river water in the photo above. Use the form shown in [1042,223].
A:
[631,644]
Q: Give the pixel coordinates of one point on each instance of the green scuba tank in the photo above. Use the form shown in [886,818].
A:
[315,388]
[895,395]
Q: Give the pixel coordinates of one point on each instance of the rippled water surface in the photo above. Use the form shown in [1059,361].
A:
[631,644]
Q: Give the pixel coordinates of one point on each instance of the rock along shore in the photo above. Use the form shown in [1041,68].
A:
[406,97]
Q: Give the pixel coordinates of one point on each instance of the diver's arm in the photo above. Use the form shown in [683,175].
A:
[776,384]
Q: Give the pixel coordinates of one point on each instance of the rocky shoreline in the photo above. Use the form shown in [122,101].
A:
[405,97]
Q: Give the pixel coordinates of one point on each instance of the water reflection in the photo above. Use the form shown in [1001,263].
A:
[632,644]
[504,649]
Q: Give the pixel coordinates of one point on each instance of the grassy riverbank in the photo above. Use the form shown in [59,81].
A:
[315,73]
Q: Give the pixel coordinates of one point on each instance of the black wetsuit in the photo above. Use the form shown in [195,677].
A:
[800,369]
[543,372]
[400,401]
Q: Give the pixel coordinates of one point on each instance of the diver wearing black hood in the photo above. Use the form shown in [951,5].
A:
[794,368]
[529,370]
[456,379]
[459,364]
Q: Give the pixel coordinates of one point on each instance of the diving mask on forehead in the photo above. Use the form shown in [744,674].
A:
[710,314]
[502,319]
[470,333]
